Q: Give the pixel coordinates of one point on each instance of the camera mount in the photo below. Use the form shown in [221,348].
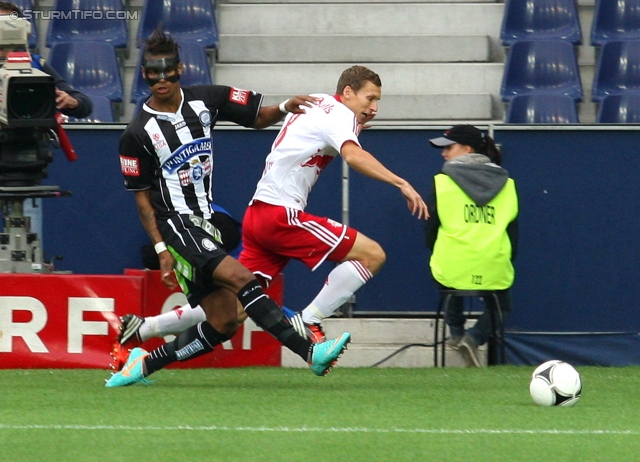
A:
[24,156]
[29,131]
[20,249]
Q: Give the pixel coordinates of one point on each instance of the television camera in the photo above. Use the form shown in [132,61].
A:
[29,133]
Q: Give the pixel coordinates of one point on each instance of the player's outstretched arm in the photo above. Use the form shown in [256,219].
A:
[270,115]
[363,162]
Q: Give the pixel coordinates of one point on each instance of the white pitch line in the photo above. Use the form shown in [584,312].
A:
[213,428]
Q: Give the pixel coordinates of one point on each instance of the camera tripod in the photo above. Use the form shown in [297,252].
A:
[20,249]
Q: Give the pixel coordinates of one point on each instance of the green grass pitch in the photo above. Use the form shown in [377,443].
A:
[276,414]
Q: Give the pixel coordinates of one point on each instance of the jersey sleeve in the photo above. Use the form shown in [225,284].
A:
[341,126]
[233,104]
[136,164]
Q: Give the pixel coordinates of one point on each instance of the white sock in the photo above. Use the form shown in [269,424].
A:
[171,322]
[341,284]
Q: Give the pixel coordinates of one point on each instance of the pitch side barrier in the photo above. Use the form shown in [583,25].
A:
[579,246]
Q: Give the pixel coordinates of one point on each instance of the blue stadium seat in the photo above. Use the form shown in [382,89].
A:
[28,5]
[139,104]
[542,109]
[91,67]
[102,111]
[540,20]
[184,19]
[617,69]
[619,109]
[195,70]
[541,66]
[105,23]
[615,20]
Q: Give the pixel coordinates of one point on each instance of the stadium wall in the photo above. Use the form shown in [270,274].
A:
[579,242]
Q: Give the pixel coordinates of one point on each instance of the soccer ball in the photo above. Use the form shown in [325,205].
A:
[555,383]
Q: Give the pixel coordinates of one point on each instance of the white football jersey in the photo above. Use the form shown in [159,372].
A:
[303,148]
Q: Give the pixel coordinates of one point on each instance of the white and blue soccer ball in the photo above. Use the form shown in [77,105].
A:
[555,383]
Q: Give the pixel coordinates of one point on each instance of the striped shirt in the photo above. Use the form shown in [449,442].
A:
[172,153]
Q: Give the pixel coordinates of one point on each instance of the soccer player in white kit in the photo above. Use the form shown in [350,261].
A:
[276,228]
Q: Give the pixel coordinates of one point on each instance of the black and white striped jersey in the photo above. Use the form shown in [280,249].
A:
[172,153]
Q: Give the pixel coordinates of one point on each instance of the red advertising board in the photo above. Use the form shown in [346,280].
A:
[70,321]
[62,321]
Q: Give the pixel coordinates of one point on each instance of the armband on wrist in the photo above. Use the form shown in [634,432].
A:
[160,247]
[282,107]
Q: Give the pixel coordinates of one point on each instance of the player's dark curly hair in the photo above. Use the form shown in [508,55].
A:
[161,43]
[356,77]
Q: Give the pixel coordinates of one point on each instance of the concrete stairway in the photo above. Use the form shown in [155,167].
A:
[434,63]
[403,96]
[375,340]
[360,1]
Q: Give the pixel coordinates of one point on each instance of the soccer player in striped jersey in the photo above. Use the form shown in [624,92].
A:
[166,158]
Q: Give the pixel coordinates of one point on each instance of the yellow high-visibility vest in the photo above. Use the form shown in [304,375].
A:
[472,250]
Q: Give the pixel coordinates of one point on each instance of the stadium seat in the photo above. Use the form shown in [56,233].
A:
[91,67]
[140,90]
[619,109]
[542,109]
[195,70]
[540,20]
[192,20]
[102,25]
[28,5]
[615,20]
[139,104]
[102,111]
[541,66]
[617,69]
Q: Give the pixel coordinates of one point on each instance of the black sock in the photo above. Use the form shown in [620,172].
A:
[193,342]
[268,316]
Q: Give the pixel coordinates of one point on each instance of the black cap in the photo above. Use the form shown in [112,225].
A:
[462,134]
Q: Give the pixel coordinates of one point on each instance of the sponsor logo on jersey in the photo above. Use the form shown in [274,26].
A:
[325,107]
[239,96]
[158,141]
[177,126]
[196,171]
[205,118]
[208,244]
[186,152]
[130,166]
[318,161]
